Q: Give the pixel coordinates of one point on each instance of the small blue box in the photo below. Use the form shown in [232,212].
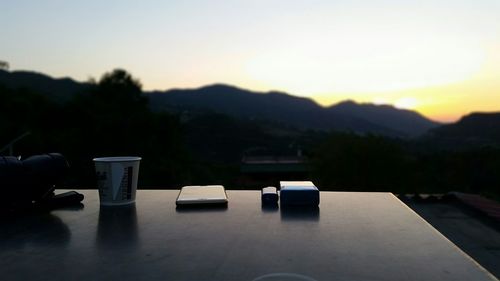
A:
[298,193]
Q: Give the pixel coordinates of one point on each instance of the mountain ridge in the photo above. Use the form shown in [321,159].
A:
[277,106]
[302,112]
[474,129]
[58,89]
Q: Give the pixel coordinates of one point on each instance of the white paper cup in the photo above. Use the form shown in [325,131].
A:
[117,179]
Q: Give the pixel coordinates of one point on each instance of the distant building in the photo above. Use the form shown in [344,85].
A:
[258,171]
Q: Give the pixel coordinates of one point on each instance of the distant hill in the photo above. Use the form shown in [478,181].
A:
[57,89]
[409,122]
[282,108]
[296,111]
[471,130]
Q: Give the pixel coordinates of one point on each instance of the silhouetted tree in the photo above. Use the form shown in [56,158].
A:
[120,88]
[4,65]
[114,119]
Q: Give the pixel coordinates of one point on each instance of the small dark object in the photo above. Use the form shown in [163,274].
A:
[26,183]
[70,198]
[269,195]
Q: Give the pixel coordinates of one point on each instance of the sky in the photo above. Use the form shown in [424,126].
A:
[440,57]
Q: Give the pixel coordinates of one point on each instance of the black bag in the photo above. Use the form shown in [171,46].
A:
[31,182]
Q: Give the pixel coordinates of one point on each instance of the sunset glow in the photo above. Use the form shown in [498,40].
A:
[343,65]
[406,103]
[440,58]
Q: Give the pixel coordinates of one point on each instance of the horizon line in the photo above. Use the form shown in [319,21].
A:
[442,119]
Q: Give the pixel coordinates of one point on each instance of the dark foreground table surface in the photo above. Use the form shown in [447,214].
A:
[351,236]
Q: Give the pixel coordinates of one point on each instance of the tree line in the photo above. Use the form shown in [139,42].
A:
[113,118]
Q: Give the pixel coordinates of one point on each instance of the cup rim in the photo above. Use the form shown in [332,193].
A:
[117,159]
